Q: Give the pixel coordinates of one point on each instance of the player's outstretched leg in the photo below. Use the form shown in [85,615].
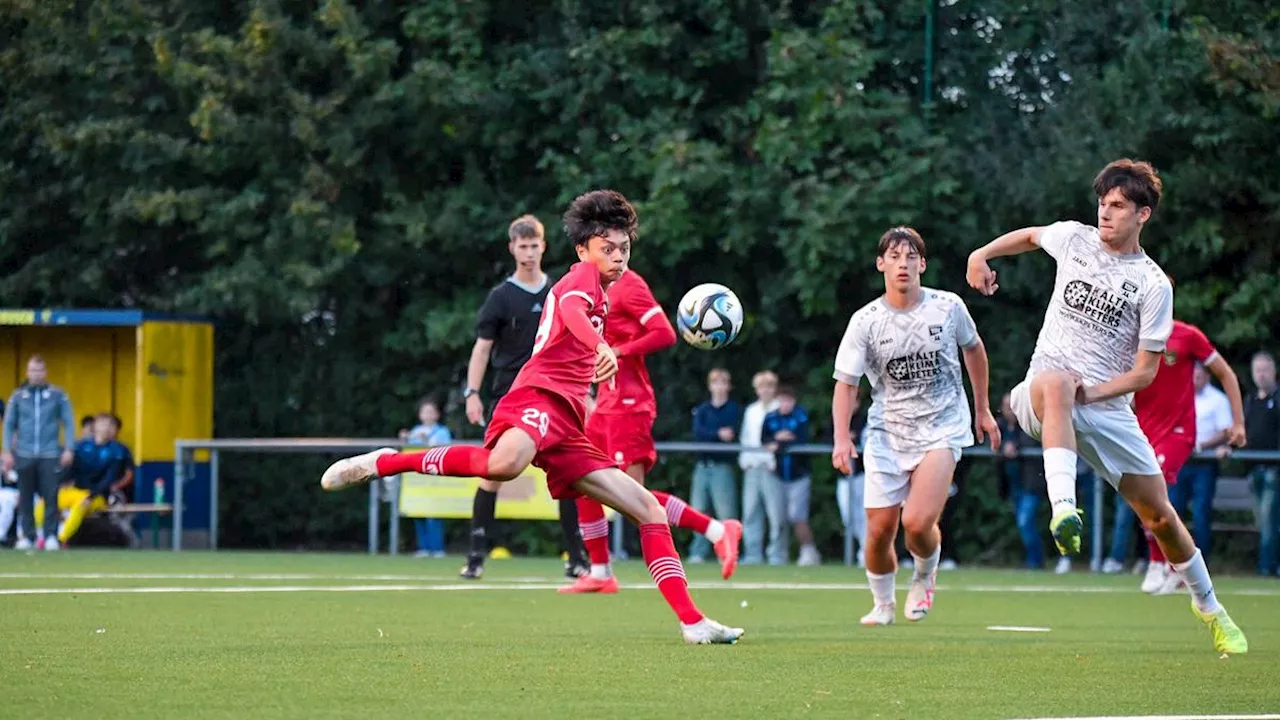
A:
[1149,498]
[725,537]
[595,539]
[1053,399]
[621,492]
[882,563]
[930,482]
[510,456]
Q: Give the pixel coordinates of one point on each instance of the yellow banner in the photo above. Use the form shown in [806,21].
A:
[436,496]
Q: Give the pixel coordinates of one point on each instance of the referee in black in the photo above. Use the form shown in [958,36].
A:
[505,330]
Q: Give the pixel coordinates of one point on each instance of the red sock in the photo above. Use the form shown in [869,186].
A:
[1153,547]
[680,515]
[668,574]
[595,530]
[451,460]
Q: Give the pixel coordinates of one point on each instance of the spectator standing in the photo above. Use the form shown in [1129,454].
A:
[1022,482]
[788,425]
[715,421]
[1262,427]
[429,532]
[761,492]
[38,423]
[1198,479]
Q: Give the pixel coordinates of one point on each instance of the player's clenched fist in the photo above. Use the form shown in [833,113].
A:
[606,363]
[980,275]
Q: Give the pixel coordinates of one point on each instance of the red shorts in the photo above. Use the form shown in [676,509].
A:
[1172,452]
[555,424]
[627,438]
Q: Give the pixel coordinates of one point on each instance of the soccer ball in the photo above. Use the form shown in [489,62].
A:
[709,316]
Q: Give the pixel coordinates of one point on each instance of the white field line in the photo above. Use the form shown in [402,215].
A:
[540,584]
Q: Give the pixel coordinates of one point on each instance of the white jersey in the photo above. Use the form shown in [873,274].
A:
[911,359]
[1103,309]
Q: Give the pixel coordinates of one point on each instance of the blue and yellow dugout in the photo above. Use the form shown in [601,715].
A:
[154,371]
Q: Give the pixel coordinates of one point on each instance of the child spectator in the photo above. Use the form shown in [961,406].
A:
[428,432]
[787,425]
[714,421]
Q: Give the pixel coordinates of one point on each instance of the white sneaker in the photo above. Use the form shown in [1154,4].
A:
[23,543]
[353,470]
[1140,567]
[1172,585]
[709,632]
[809,557]
[1112,566]
[1064,566]
[51,545]
[919,597]
[1155,577]
[879,615]
[948,564]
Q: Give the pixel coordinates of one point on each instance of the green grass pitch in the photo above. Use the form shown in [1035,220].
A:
[89,634]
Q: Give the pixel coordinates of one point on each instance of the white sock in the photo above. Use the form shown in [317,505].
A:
[1060,478]
[715,531]
[1196,576]
[926,567]
[881,587]
[601,572]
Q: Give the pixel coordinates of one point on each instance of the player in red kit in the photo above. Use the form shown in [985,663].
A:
[622,426]
[541,419]
[1166,411]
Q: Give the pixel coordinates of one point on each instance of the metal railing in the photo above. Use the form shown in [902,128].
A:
[184,455]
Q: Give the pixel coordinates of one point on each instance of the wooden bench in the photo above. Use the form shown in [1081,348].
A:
[153,509]
[1235,495]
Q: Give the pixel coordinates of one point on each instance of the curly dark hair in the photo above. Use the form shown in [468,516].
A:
[1138,182]
[595,213]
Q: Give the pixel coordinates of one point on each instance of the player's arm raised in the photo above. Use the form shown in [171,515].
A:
[1231,386]
[979,273]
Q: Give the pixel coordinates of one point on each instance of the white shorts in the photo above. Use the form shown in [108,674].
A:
[1108,438]
[889,475]
[796,493]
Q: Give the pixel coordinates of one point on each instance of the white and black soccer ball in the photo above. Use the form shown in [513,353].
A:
[709,316]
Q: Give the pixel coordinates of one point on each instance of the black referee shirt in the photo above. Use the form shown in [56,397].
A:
[509,317]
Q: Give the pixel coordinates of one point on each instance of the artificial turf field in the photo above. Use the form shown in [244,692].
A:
[97,634]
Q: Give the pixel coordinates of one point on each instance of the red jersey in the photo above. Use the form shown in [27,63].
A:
[631,310]
[560,362]
[1168,405]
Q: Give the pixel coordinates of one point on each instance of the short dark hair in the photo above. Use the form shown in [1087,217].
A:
[525,227]
[118,422]
[595,213]
[1137,180]
[901,235]
[428,400]
[787,390]
[86,420]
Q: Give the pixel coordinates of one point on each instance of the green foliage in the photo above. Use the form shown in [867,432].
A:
[331,180]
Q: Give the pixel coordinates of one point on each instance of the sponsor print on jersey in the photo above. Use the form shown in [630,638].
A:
[917,368]
[1093,306]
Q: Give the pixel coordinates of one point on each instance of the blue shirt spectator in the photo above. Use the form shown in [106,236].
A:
[709,422]
[783,427]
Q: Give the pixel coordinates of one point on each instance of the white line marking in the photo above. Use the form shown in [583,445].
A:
[539,582]
[1017,628]
[1171,717]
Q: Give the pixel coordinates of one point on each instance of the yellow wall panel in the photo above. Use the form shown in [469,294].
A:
[176,379]
[125,397]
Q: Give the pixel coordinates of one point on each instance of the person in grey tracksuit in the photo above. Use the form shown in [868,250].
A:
[36,415]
